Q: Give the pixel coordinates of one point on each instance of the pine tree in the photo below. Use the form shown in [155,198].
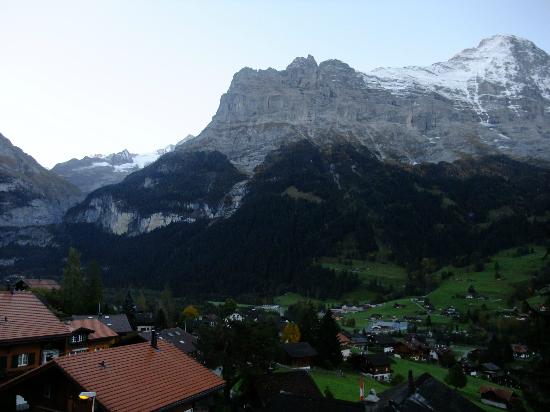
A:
[94,287]
[327,344]
[456,376]
[129,307]
[161,322]
[72,284]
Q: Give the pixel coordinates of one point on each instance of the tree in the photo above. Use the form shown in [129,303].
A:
[291,333]
[129,307]
[456,376]
[141,302]
[229,307]
[190,312]
[242,349]
[428,321]
[161,322]
[94,287]
[169,305]
[472,290]
[327,344]
[72,284]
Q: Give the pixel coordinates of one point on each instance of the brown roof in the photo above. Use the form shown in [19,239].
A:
[499,392]
[24,317]
[48,284]
[100,330]
[140,378]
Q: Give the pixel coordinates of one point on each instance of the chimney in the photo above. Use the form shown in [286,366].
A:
[412,389]
[154,339]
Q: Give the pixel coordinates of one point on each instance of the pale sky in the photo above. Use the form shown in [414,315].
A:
[84,77]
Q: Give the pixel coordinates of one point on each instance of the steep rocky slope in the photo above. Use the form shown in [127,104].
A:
[491,99]
[179,187]
[30,194]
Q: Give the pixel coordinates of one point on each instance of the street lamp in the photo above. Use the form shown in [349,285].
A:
[87,395]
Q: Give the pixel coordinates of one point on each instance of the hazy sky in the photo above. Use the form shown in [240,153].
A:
[80,77]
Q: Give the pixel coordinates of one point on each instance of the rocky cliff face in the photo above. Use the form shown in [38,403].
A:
[491,99]
[179,187]
[30,195]
[93,172]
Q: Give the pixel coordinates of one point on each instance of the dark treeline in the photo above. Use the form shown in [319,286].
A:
[343,202]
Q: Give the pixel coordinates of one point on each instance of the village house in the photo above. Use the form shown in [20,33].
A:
[20,282]
[378,366]
[423,394]
[30,334]
[382,343]
[498,397]
[118,322]
[144,376]
[411,349]
[265,388]
[144,321]
[521,352]
[299,354]
[388,327]
[89,335]
[181,339]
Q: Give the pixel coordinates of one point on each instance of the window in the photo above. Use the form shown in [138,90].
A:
[22,360]
[47,391]
[77,338]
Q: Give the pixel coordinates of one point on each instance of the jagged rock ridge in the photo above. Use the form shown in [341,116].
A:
[491,99]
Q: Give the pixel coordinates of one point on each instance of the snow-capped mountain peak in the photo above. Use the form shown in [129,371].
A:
[92,172]
[512,66]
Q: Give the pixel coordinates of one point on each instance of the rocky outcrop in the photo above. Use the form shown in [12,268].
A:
[30,194]
[179,187]
[92,172]
[491,99]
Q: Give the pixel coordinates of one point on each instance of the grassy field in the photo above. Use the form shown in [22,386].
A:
[514,269]
[470,391]
[344,387]
[347,386]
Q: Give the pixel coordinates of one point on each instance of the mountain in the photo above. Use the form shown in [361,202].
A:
[31,195]
[178,187]
[95,171]
[491,99]
[305,202]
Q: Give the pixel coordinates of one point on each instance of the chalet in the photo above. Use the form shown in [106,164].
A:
[498,397]
[181,339]
[382,343]
[388,327]
[378,366]
[144,321]
[119,322]
[412,349]
[423,394]
[265,388]
[89,335]
[19,283]
[30,334]
[299,355]
[521,352]
[490,370]
[344,340]
[144,376]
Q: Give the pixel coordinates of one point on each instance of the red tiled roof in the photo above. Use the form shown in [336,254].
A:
[499,392]
[101,331]
[24,317]
[48,284]
[140,378]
